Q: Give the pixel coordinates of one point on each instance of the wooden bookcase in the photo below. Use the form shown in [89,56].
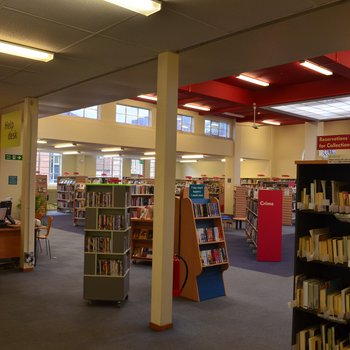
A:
[142,199]
[322,255]
[107,242]
[79,201]
[41,190]
[240,202]
[201,243]
[264,224]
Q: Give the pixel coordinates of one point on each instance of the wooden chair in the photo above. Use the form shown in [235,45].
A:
[43,234]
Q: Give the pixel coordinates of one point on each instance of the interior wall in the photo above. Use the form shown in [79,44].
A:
[288,147]
[255,168]
[207,168]
[340,127]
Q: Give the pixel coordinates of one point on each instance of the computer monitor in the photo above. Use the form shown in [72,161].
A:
[8,205]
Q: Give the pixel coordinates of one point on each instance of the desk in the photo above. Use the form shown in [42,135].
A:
[10,242]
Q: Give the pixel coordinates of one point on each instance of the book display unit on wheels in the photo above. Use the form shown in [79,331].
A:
[264,224]
[142,199]
[202,245]
[107,242]
[321,306]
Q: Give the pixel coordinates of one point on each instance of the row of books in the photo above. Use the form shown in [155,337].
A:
[99,199]
[80,186]
[142,252]
[142,201]
[207,209]
[322,246]
[65,196]
[326,195]
[142,189]
[109,267]
[209,234]
[322,337]
[112,222]
[66,181]
[213,256]
[145,213]
[325,297]
[142,234]
[98,244]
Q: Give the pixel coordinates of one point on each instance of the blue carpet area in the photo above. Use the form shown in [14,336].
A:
[241,255]
[64,221]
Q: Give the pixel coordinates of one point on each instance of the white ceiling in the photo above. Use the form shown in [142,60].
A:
[105,53]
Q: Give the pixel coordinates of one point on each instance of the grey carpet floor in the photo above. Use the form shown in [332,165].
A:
[45,309]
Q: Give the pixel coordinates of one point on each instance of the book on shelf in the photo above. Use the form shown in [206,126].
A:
[206,210]
[213,256]
[142,252]
[98,244]
[209,234]
[110,267]
[112,222]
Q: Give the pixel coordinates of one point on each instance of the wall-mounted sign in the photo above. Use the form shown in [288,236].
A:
[12,180]
[11,129]
[196,191]
[13,157]
[333,142]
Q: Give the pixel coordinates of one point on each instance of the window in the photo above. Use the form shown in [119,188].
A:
[49,164]
[89,112]
[152,168]
[109,166]
[215,128]
[133,115]
[136,167]
[185,123]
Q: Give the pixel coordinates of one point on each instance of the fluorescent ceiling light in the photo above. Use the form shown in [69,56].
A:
[144,7]
[316,68]
[41,141]
[147,158]
[25,51]
[111,149]
[111,155]
[188,161]
[241,159]
[148,97]
[325,109]
[193,156]
[234,114]
[223,160]
[252,80]
[201,108]
[64,145]
[149,153]
[71,152]
[271,122]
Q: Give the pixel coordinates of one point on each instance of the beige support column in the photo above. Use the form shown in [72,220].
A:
[126,167]
[312,130]
[164,198]
[30,132]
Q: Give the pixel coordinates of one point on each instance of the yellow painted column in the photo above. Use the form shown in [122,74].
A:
[30,132]
[164,198]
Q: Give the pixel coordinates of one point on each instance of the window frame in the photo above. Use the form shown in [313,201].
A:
[181,129]
[133,116]
[219,129]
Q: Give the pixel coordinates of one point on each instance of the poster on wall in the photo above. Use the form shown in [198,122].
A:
[11,129]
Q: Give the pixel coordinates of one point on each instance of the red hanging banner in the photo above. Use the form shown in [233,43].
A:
[333,142]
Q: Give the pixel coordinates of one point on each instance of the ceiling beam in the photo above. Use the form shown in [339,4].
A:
[217,90]
[307,91]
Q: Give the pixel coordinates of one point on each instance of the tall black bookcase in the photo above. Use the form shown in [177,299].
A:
[322,242]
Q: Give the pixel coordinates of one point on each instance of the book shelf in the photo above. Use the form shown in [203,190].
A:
[202,245]
[240,202]
[263,227]
[142,199]
[41,191]
[65,193]
[79,201]
[107,242]
[321,306]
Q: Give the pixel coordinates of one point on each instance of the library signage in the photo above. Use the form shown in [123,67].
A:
[333,142]
[11,129]
[196,191]
[13,157]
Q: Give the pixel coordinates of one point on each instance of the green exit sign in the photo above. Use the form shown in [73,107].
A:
[13,157]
